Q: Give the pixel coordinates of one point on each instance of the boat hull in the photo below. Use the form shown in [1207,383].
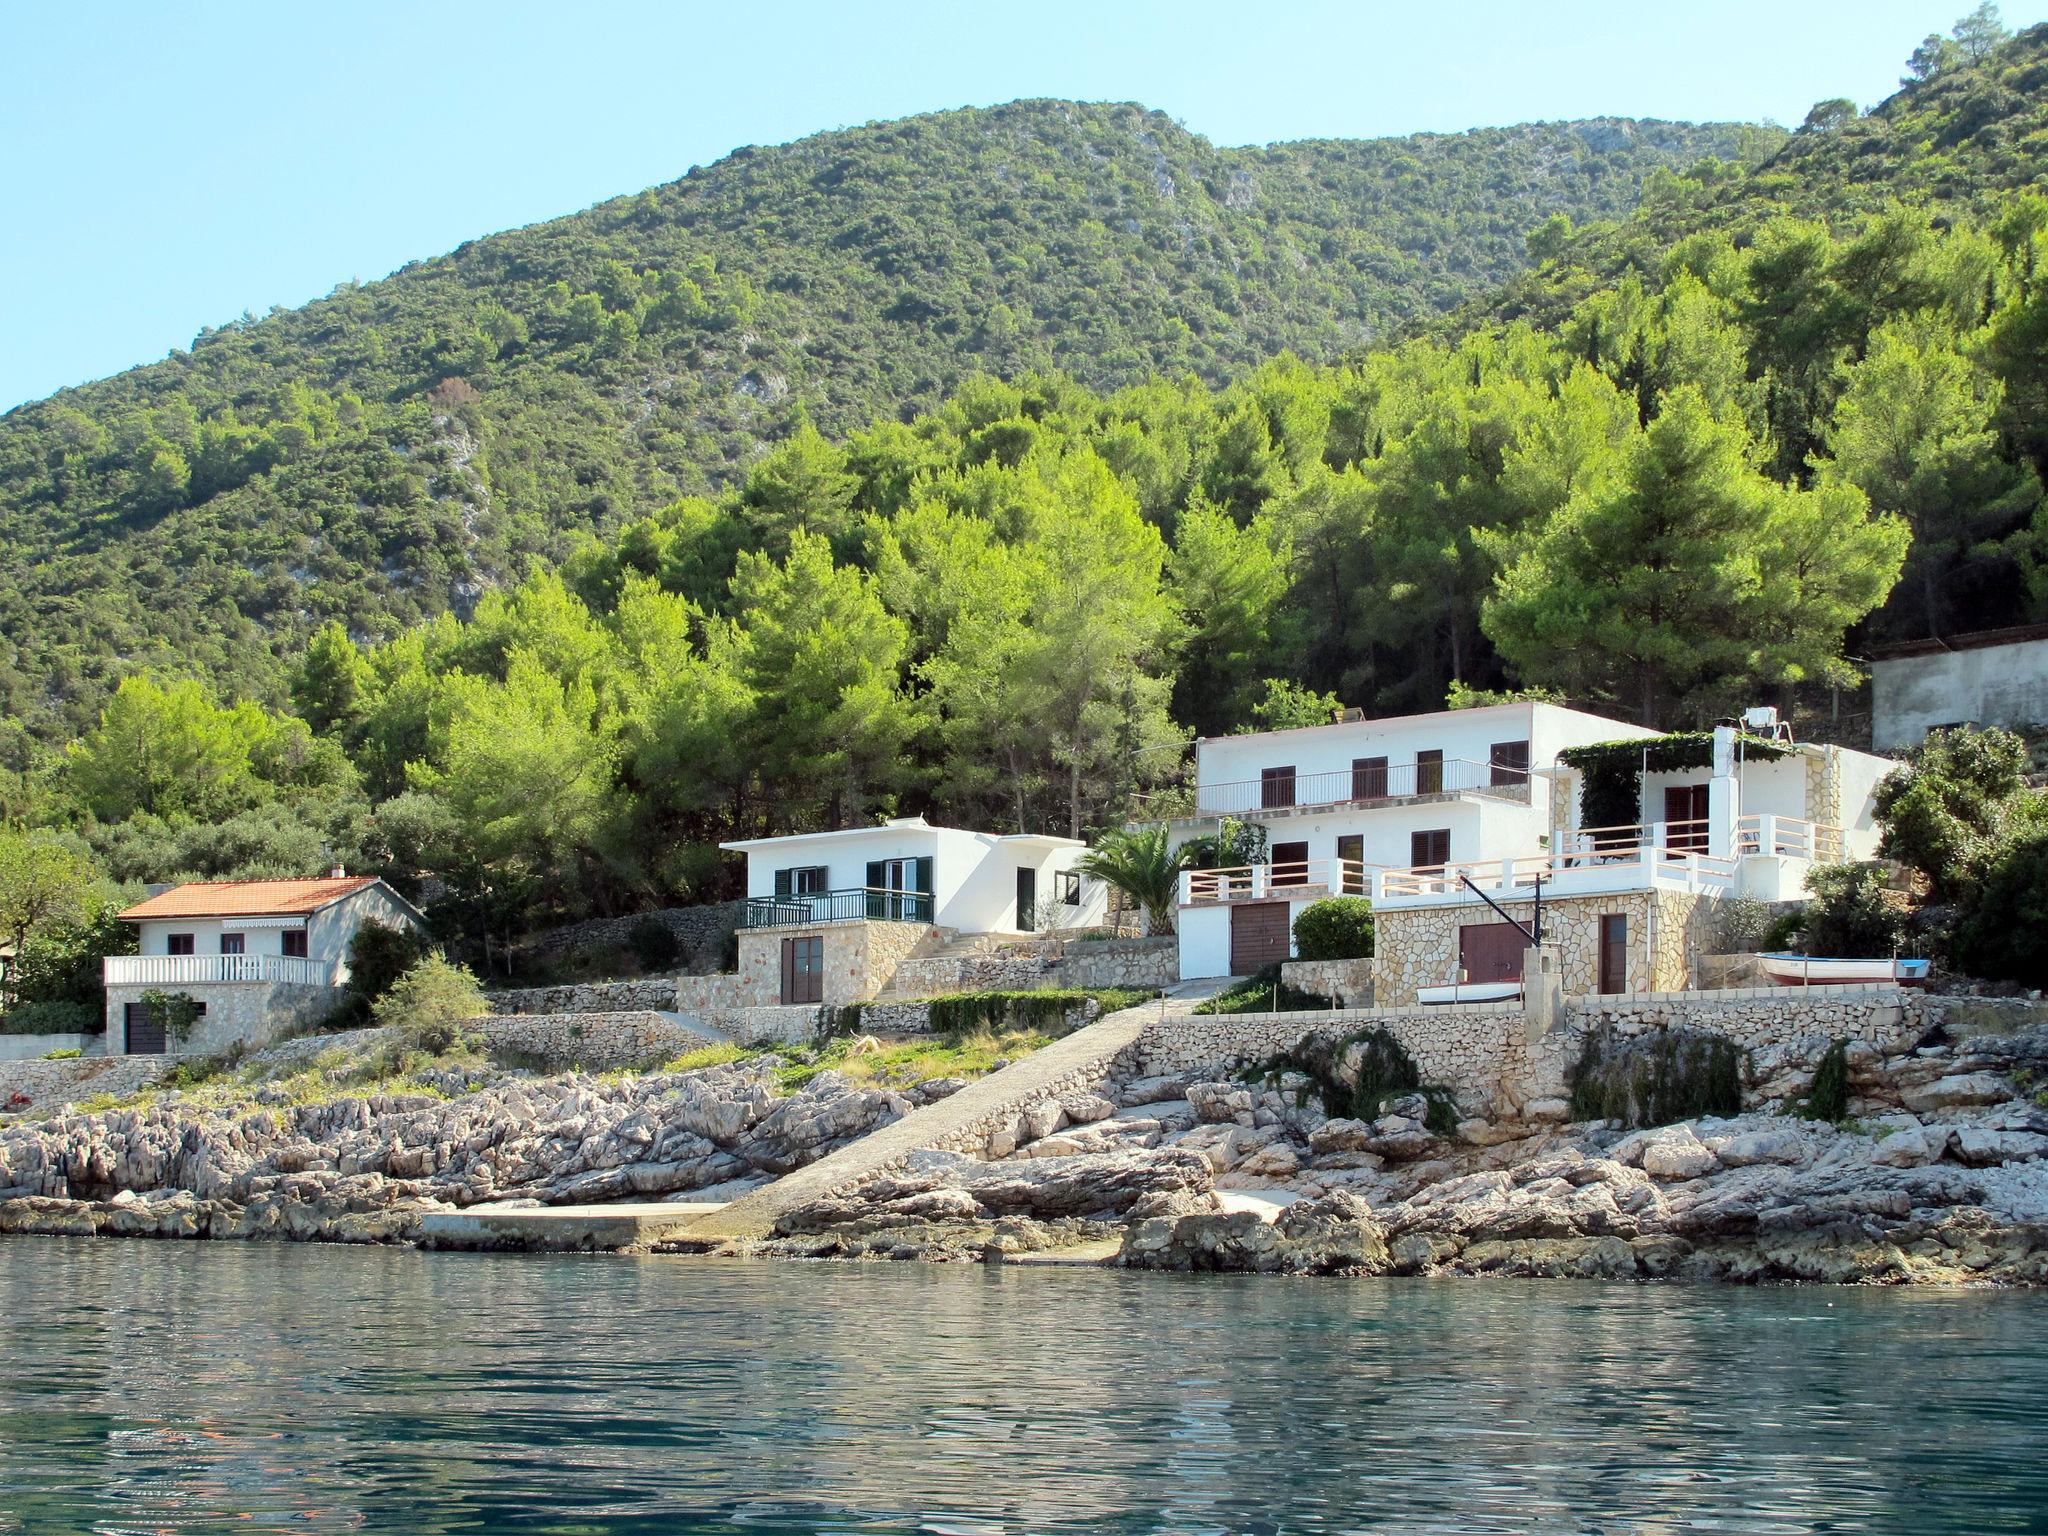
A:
[1823,971]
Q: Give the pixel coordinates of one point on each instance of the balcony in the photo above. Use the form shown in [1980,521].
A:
[1308,881]
[858,904]
[215,970]
[1360,787]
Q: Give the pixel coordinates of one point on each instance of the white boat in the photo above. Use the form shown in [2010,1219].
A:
[1470,992]
[1826,970]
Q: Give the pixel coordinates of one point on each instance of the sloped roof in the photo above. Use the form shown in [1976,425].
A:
[248,898]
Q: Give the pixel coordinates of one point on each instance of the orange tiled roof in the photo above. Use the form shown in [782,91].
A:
[247,898]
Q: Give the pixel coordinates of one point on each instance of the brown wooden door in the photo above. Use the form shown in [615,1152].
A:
[1491,951]
[1276,788]
[1685,817]
[1613,952]
[1510,762]
[803,970]
[1258,936]
[1351,863]
[145,1030]
[1429,773]
[1368,778]
[1290,863]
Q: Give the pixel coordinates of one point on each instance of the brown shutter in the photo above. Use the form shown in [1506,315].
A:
[788,993]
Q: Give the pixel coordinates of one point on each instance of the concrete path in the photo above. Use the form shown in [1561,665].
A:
[1061,1067]
[561,1227]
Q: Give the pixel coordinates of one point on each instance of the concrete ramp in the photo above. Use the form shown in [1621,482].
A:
[957,1123]
[559,1228]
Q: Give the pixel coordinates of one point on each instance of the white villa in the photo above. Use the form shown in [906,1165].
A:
[810,887]
[1434,815]
[256,955]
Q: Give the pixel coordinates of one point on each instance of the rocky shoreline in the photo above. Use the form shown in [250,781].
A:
[1940,1177]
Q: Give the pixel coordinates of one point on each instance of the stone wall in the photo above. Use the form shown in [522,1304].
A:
[590,997]
[1147,964]
[1418,946]
[860,958]
[596,1042]
[1054,963]
[245,1013]
[701,930]
[49,1084]
[1347,983]
[915,1018]
[34,1047]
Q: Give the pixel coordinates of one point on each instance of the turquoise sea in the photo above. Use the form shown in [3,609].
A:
[164,1387]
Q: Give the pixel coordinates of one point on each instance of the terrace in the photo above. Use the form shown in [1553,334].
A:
[213,970]
[1363,785]
[855,904]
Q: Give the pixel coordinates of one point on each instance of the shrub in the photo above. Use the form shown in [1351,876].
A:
[1960,796]
[1262,992]
[2002,931]
[1854,912]
[1645,1080]
[54,1017]
[1335,928]
[179,1013]
[1829,1098]
[1379,1070]
[71,1055]
[378,955]
[654,944]
[429,1004]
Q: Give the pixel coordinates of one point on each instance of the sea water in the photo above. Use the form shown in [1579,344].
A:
[171,1387]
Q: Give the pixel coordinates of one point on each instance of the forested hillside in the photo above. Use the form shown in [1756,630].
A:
[397,447]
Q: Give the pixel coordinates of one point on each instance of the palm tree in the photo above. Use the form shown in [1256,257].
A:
[1144,866]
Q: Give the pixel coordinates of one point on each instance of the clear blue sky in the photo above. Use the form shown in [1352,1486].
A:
[167,166]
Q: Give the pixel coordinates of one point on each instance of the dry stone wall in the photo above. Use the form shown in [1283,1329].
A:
[595,1042]
[590,997]
[1347,983]
[702,932]
[47,1084]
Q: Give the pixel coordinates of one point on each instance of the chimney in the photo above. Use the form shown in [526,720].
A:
[337,873]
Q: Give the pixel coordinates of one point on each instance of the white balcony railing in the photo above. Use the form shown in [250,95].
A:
[213,970]
[1788,837]
[1364,784]
[1304,881]
[1588,860]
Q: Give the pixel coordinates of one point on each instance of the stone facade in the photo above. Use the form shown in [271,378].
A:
[1418,946]
[1054,963]
[702,932]
[860,958]
[245,1013]
[1347,983]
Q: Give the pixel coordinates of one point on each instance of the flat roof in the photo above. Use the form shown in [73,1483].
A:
[897,829]
[1478,710]
[1976,640]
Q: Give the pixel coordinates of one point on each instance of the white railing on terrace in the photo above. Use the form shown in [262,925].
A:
[1303,881]
[1360,785]
[203,970]
[1588,859]
[1789,837]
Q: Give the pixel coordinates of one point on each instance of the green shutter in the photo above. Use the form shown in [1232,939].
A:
[877,905]
[782,881]
[923,910]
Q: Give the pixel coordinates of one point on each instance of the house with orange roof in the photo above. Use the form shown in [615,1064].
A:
[255,958]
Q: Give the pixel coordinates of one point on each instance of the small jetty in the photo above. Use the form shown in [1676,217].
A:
[562,1228]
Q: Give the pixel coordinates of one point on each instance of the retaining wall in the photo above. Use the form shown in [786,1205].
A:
[34,1047]
[591,996]
[598,1042]
[701,930]
[1347,983]
[45,1084]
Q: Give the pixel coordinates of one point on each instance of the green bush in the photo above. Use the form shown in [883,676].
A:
[1854,912]
[1262,992]
[1382,1071]
[1335,928]
[378,955]
[1829,1098]
[71,1055]
[654,944]
[1646,1080]
[429,1004]
[1960,796]
[55,1017]
[2002,932]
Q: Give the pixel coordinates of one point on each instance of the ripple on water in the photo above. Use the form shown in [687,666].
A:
[165,1387]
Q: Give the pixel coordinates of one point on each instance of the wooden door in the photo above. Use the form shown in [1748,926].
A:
[1351,863]
[1290,864]
[1491,951]
[1027,900]
[1258,936]
[1429,773]
[145,1030]
[1685,817]
[1368,778]
[803,970]
[1510,763]
[1613,952]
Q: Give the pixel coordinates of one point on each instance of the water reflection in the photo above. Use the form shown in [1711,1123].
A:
[166,1387]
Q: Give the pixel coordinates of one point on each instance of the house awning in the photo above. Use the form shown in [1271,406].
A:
[244,924]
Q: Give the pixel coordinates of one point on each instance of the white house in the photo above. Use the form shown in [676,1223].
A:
[257,956]
[1338,804]
[1992,677]
[1441,813]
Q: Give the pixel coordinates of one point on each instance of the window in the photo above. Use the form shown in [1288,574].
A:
[803,970]
[1613,952]
[178,944]
[295,944]
[1351,862]
[1685,818]
[1290,864]
[1368,778]
[1510,762]
[1068,883]
[1276,787]
[1429,773]
[231,943]
[1431,849]
[808,880]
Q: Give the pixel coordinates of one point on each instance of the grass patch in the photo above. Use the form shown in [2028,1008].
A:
[707,1056]
[1264,992]
[972,1053]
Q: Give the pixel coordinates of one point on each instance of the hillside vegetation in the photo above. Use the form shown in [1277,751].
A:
[388,452]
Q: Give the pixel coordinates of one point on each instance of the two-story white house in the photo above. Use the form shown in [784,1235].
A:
[1338,804]
[257,957]
[828,914]
[1433,816]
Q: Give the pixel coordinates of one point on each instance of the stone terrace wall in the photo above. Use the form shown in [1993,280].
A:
[47,1084]
[1144,963]
[34,1047]
[1347,983]
[597,1042]
[590,997]
[1045,964]
[702,931]
[915,1018]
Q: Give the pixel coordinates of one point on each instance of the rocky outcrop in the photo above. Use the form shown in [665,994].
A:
[1335,1233]
[366,1168]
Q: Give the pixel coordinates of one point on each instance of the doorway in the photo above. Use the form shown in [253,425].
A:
[1027,900]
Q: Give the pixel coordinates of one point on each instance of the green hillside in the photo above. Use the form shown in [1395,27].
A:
[394,449]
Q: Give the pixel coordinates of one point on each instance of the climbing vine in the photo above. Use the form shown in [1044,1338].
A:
[1611,772]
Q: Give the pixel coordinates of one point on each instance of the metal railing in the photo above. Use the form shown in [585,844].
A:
[211,970]
[1303,881]
[861,903]
[1361,785]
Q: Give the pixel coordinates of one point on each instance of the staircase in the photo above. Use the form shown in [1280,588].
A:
[938,969]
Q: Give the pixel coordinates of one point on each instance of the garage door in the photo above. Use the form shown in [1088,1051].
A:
[145,1030]
[1491,951]
[1258,936]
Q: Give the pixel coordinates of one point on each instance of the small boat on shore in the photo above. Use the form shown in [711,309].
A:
[1470,992]
[1823,970]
